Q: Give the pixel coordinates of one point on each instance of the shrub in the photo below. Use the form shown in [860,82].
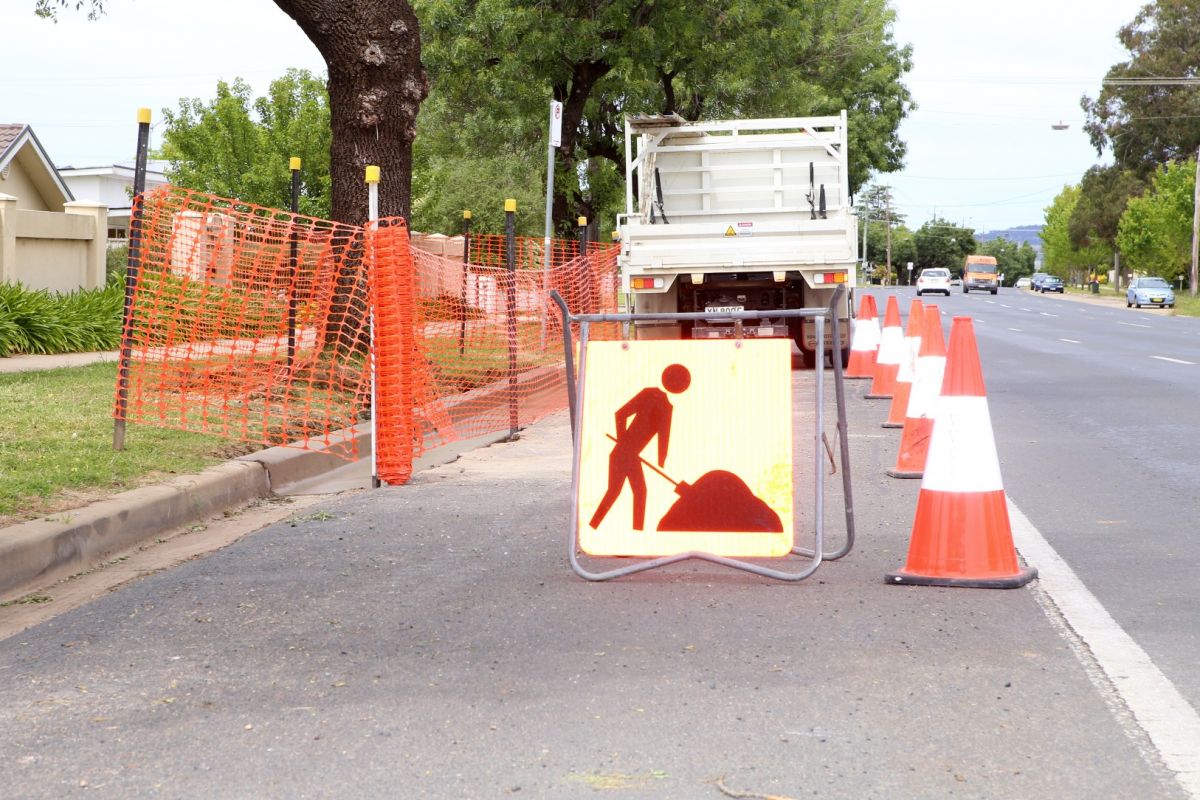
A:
[40,322]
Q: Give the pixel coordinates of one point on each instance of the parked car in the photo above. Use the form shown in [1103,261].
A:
[934,279]
[1050,283]
[1022,283]
[1149,292]
[1036,279]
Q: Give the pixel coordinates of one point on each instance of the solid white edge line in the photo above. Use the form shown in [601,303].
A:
[1170,722]
[1175,360]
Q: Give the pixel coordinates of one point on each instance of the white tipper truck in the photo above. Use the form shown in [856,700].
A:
[741,215]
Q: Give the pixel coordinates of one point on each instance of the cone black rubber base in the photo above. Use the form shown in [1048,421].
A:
[857,377]
[893,424]
[896,474]
[877,396]
[902,578]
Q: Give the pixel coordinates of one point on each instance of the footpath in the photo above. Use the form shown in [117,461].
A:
[431,641]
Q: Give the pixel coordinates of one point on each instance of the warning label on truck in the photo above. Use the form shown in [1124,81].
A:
[740,229]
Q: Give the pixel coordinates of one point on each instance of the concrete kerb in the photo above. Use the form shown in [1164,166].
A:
[42,551]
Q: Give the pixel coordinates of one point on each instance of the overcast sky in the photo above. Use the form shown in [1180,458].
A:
[989,78]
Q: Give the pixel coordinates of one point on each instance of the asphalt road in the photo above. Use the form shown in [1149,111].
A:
[1096,418]
[431,641]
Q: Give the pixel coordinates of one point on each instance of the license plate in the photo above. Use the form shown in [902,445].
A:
[1156,299]
[722,309]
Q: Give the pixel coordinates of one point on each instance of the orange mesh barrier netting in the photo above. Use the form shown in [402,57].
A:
[396,355]
[492,339]
[256,324]
[229,334]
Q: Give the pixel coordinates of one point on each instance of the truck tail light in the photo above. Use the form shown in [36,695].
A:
[646,283]
[830,277]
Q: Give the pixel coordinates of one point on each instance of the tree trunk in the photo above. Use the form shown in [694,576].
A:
[372,49]
[574,97]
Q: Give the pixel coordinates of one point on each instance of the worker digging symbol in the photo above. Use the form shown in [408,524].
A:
[651,416]
[718,501]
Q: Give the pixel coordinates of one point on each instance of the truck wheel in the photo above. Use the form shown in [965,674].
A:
[964,288]
[994,291]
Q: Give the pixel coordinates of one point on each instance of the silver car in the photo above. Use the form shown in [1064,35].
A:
[1149,292]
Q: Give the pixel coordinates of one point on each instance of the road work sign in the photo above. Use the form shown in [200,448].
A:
[686,446]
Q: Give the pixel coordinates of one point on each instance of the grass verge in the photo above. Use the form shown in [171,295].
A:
[56,444]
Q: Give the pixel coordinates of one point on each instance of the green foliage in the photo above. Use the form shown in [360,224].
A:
[115,262]
[1103,193]
[1012,260]
[941,243]
[41,323]
[234,146]
[1150,124]
[1155,232]
[492,62]
[48,9]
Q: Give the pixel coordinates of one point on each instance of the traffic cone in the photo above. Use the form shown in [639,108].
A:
[961,534]
[927,382]
[887,360]
[908,364]
[865,343]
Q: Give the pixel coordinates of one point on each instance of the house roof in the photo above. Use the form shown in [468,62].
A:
[14,138]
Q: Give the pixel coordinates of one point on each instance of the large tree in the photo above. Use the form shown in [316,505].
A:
[941,243]
[498,63]
[1060,257]
[372,50]
[1144,119]
[237,147]
[1103,193]
[1155,232]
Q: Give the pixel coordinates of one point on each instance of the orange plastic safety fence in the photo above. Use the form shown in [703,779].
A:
[491,338]
[247,322]
[256,324]
[396,352]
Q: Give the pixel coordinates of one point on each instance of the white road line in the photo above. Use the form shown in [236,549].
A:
[1027,309]
[1071,341]
[1175,360]
[1015,330]
[1005,305]
[1047,314]
[1169,721]
[1132,325]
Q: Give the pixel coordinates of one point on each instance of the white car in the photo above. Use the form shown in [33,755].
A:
[934,279]
[1023,283]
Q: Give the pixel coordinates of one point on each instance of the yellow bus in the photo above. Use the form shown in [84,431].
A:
[979,272]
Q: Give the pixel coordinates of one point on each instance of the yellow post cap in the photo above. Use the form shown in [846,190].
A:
[510,204]
[143,116]
[616,236]
[372,174]
[466,213]
[582,221]
[294,163]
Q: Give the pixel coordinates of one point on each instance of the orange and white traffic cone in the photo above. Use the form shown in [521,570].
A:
[908,365]
[962,535]
[865,343]
[887,360]
[927,383]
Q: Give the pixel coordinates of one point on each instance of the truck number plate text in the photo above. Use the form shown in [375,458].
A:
[722,309]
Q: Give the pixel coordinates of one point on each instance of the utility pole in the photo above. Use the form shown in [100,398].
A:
[889,233]
[1196,229]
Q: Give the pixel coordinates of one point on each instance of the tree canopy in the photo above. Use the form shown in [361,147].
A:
[237,147]
[941,243]
[1103,193]
[1152,122]
[1013,260]
[496,65]
[1155,232]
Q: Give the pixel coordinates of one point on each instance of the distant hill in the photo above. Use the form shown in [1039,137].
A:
[1022,233]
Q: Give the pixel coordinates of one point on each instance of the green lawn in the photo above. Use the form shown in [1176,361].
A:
[56,444]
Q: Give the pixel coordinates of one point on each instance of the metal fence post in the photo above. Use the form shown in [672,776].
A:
[293,267]
[132,264]
[372,180]
[462,300]
[510,256]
